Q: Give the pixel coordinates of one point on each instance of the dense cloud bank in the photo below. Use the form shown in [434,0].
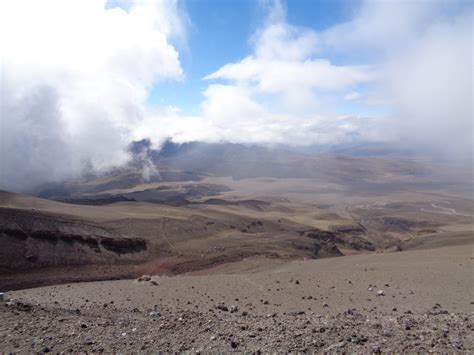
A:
[75,77]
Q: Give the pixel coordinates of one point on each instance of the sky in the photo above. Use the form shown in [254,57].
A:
[220,33]
[82,79]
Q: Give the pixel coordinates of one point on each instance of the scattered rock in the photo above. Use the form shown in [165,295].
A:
[376,350]
[360,331]
[335,346]
[296,313]
[222,307]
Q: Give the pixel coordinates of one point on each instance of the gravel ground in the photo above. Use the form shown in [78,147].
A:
[26,328]
[418,301]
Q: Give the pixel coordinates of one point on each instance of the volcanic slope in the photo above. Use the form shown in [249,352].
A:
[46,241]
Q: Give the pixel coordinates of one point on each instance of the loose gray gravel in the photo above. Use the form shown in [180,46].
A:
[32,328]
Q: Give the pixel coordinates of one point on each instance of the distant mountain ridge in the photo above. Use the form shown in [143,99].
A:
[195,161]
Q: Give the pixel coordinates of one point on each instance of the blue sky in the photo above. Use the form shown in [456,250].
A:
[220,31]
[321,72]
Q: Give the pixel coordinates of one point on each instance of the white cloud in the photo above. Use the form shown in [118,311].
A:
[423,50]
[76,74]
[277,94]
[283,64]
[273,96]
[279,76]
[75,77]
[383,25]
[353,95]
[431,84]
[419,65]
[281,41]
[231,114]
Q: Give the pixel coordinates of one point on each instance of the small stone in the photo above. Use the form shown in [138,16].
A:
[380,293]
[154,283]
[335,346]
[233,344]
[296,313]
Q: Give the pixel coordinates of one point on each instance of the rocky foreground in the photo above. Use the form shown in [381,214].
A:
[32,328]
[417,301]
